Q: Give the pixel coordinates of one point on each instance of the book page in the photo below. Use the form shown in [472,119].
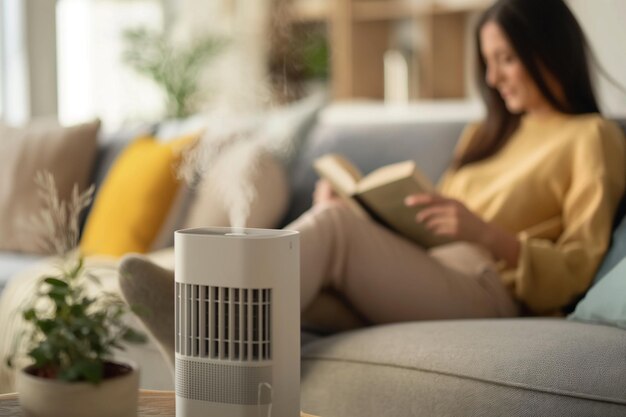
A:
[339,172]
[392,173]
[343,176]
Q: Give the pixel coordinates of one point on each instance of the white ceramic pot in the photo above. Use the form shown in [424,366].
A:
[41,397]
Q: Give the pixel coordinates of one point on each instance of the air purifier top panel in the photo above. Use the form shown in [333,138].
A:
[222,257]
[248,233]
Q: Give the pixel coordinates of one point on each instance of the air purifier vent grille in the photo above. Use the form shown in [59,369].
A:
[222,383]
[223,323]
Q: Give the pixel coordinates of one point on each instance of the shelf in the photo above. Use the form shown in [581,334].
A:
[452,6]
[310,10]
[362,31]
[372,10]
[428,111]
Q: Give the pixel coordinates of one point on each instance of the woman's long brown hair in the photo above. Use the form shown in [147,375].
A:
[546,38]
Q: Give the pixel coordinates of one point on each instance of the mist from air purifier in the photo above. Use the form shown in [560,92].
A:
[226,159]
[237,140]
[235,172]
[231,152]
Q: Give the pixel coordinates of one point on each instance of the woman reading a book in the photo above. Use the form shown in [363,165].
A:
[528,201]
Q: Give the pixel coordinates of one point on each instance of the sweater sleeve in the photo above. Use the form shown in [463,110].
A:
[559,258]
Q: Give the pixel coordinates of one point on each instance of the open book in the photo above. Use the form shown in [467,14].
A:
[380,194]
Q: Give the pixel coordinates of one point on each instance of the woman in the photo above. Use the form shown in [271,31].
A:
[529,200]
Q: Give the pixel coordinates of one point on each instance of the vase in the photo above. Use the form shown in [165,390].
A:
[43,397]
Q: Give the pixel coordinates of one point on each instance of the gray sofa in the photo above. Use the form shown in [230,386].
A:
[519,367]
[500,367]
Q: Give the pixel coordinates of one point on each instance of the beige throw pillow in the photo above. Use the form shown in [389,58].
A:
[67,152]
[267,188]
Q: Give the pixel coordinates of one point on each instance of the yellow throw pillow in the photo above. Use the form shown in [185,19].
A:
[135,197]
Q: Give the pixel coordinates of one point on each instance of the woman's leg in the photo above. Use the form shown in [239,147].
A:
[387,278]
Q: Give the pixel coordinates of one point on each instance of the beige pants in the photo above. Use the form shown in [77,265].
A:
[386,278]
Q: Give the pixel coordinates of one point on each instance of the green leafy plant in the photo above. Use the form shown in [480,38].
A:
[71,335]
[299,57]
[315,56]
[173,68]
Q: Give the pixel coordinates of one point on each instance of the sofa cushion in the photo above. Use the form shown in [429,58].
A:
[135,198]
[513,367]
[66,152]
[110,146]
[12,263]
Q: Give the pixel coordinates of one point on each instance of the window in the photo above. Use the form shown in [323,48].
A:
[93,79]
[14,100]
[2,61]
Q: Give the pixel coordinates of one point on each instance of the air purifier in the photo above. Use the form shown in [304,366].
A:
[237,323]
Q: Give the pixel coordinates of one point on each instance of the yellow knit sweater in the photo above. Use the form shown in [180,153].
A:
[556,184]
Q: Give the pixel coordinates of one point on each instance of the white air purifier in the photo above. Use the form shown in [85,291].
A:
[237,323]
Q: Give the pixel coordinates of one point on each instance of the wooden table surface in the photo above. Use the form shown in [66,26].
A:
[151,404]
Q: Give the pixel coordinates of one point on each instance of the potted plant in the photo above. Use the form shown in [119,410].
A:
[71,334]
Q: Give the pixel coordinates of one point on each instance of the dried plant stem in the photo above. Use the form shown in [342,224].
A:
[58,221]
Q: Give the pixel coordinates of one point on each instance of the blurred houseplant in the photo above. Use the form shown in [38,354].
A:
[71,335]
[174,68]
[299,59]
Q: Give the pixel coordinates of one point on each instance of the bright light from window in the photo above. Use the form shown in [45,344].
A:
[93,80]
[15,93]
[2,60]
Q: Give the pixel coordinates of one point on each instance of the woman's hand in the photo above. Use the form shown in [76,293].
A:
[449,217]
[323,192]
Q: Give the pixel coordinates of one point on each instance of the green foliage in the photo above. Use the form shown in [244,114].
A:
[173,68]
[315,56]
[73,339]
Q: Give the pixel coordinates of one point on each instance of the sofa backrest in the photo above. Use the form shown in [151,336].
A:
[370,146]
